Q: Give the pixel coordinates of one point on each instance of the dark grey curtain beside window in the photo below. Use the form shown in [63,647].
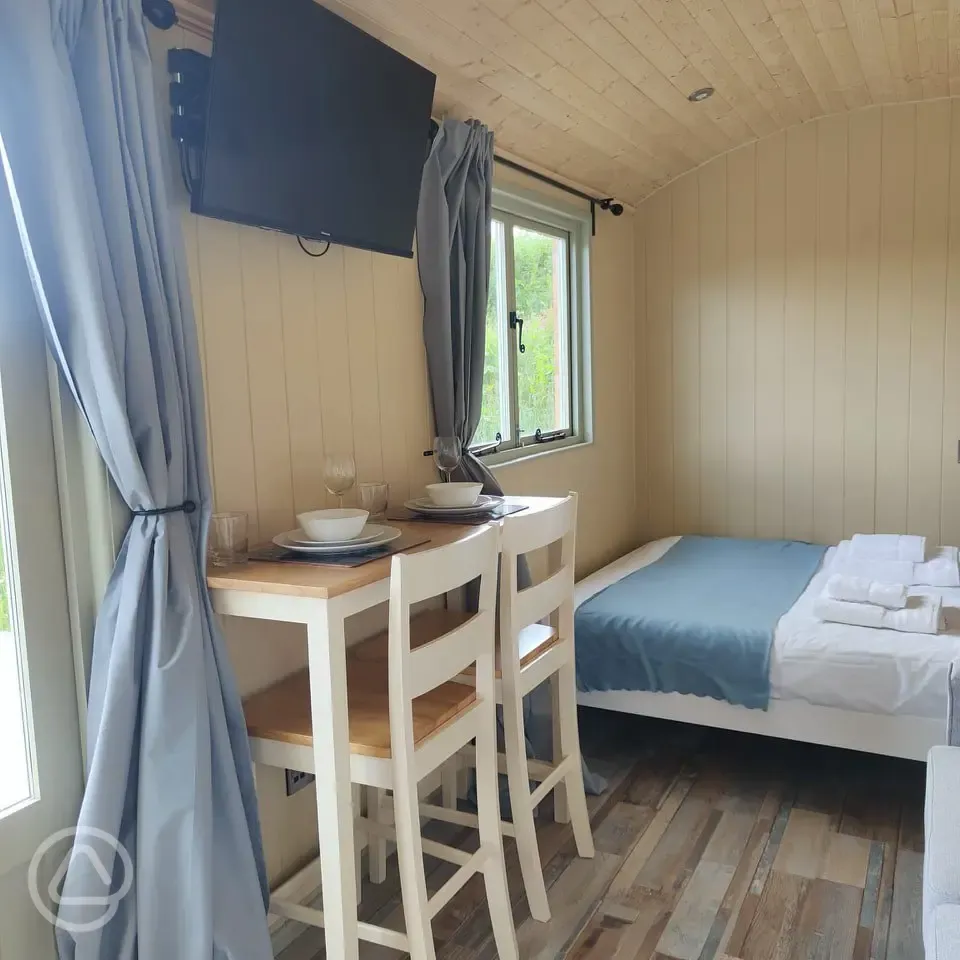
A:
[169,772]
[453,252]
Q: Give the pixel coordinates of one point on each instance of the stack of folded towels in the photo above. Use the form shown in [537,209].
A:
[870,577]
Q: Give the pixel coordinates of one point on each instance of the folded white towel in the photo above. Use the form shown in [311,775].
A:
[843,611]
[886,571]
[941,570]
[893,596]
[889,546]
[923,615]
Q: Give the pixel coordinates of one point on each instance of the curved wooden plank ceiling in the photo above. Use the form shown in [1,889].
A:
[596,90]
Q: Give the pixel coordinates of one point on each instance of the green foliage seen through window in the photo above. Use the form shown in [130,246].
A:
[537,280]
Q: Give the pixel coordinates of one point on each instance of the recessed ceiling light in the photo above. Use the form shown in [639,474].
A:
[704,93]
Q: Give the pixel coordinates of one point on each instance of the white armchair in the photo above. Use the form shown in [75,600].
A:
[941,865]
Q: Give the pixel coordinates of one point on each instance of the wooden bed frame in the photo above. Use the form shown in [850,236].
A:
[885,734]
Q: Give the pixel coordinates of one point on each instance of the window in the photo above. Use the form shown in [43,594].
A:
[14,759]
[532,383]
[16,774]
[40,766]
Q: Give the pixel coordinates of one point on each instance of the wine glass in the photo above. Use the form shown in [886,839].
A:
[447,453]
[339,474]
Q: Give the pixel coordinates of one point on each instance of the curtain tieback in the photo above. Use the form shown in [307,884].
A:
[188,506]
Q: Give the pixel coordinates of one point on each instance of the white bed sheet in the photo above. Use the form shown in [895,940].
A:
[836,665]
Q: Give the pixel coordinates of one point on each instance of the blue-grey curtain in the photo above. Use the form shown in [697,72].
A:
[453,257]
[169,771]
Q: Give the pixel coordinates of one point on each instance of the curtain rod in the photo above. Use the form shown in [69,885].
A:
[513,165]
[604,203]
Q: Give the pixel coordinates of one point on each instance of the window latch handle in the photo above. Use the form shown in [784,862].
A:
[516,323]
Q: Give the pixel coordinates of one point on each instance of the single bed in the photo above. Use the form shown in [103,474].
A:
[872,690]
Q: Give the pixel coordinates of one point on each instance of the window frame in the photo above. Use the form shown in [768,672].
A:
[30,500]
[515,206]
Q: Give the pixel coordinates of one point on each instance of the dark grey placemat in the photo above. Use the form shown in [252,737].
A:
[274,554]
[497,513]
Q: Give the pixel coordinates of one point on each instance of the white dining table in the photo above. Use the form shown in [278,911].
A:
[322,597]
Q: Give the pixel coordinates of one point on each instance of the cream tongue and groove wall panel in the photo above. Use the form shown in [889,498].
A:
[799,333]
[596,90]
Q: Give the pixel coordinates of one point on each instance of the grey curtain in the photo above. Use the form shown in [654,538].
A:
[453,255]
[169,770]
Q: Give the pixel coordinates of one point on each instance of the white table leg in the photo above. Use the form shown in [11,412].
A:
[331,748]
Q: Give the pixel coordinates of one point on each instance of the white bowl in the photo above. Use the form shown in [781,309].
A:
[324,525]
[454,494]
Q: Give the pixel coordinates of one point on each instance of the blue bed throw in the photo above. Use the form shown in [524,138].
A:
[699,620]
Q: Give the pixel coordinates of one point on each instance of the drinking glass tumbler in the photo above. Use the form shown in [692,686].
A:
[228,542]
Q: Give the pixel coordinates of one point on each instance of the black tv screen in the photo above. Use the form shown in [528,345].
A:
[314,127]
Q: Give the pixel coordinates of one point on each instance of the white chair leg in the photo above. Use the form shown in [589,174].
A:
[377,846]
[358,852]
[525,830]
[448,781]
[413,883]
[488,812]
[566,709]
[561,813]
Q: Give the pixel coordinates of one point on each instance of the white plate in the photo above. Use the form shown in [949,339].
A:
[425,505]
[370,532]
[388,535]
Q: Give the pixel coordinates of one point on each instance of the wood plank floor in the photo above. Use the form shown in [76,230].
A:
[709,845]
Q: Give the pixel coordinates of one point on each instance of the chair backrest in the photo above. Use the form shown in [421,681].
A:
[420,576]
[522,533]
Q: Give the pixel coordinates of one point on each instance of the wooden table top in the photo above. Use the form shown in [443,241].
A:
[323,582]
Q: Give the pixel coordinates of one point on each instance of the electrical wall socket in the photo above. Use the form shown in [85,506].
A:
[297,780]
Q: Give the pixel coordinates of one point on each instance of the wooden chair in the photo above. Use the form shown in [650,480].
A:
[407,718]
[529,654]
[533,653]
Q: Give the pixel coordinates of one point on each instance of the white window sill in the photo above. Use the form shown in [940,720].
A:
[532,451]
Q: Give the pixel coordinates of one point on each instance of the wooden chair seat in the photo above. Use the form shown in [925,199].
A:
[282,712]
[430,624]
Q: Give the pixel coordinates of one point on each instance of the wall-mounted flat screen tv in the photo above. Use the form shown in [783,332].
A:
[313,128]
